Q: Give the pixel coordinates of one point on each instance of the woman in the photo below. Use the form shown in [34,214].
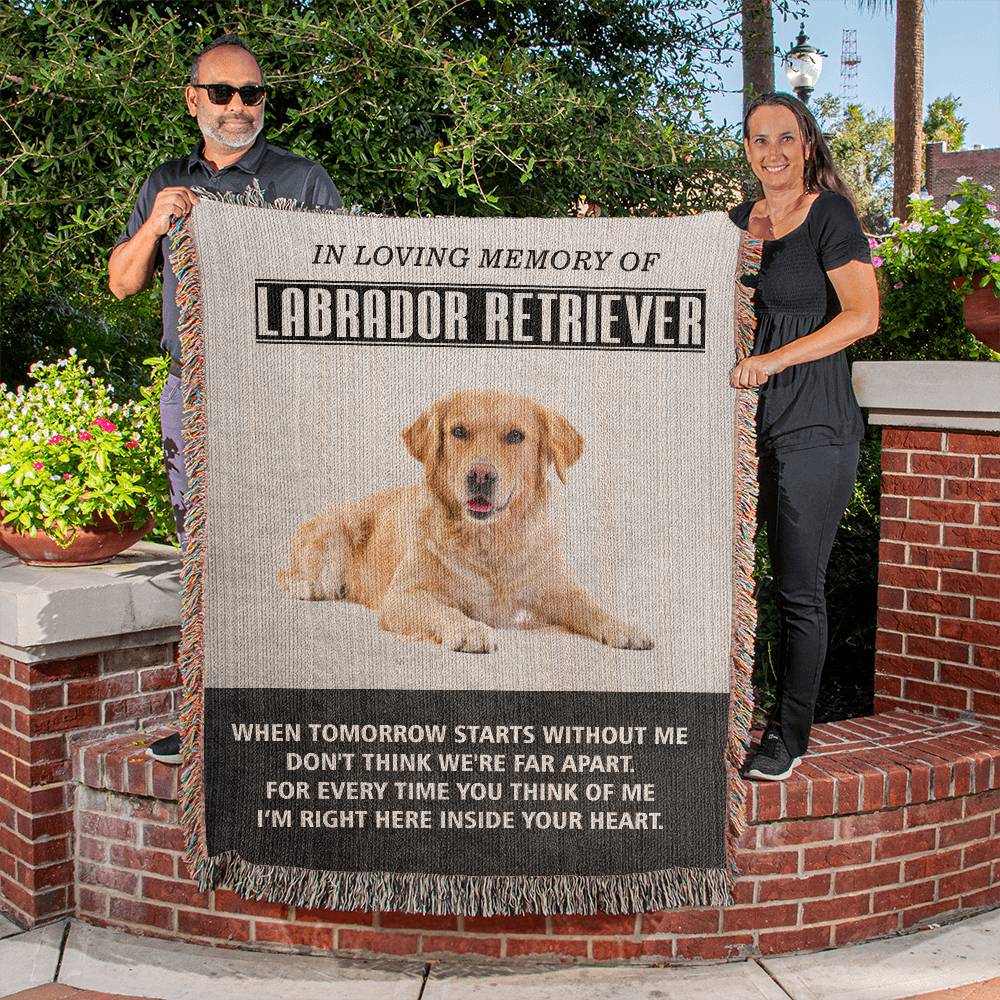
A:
[815,295]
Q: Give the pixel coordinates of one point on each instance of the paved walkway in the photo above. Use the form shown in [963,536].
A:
[74,961]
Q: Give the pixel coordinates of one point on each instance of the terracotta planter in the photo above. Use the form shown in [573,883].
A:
[981,308]
[102,541]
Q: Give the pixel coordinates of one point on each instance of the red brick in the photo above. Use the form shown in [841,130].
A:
[682,921]
[989,468]
[964,881]
[907,439]
[819,911]
[140,707]
[985,704]
[910,577]
[980,633]
[942,465]
[89,873]
[974,444]
[738,918]
[903,896]
[541,946]
[904,666]
[893,461]
[986,802]
[935,694]
[731,946]
[61,720]
[892,506]
[972,538]
[911,486]
[131,911]
[786,942]
[989,515]
[921,555]
[801,831]
[927,911]
[166,838]
[446,943]
[159,678]
[308,915]
[297,935]
[174,891]
[939,604]
[137,657]
[224,901]
[902,621]
[975,490]
[141,860]
[988,610]
[962,833]
[910,531]
[47,877]
[418,921]
[969,583]
[526,924]
[211,926]
[891,597]
[91,901]
[609,950]
[947,512]
[887,684]
[108,827]
[837,855]
[55,670]
[99,688]
[802,887]
[937,649]
[888,642]
[864,929]
[52,825]
[932,864]
[866,824]
[891,552]
[900,844]
[34,697]
[988,562]
[988,658]
[766,800]
[598,923]
[854,879]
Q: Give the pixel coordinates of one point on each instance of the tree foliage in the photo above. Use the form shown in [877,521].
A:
[942,123]
[413,106]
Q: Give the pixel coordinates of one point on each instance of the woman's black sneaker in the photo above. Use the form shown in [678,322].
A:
[167,750]
[771,761]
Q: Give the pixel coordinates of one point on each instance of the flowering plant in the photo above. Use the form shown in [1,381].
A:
[70,453]
[959,240]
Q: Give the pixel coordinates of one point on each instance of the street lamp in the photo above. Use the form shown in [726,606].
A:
[803,64]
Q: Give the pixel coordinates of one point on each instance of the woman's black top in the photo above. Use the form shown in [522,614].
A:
[812,403]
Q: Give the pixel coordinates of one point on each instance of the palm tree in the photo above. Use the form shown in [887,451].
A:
[907,98]
[758,50]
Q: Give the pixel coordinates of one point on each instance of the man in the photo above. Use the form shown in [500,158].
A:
[226,94]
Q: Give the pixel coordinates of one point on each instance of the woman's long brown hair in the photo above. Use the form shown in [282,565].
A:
[820,170]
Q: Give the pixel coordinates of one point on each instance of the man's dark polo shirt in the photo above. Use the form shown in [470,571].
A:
[280,174]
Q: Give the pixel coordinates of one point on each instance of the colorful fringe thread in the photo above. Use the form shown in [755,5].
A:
[431,893]
[744,527]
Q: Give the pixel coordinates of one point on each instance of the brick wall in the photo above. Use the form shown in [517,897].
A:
[46,708]
[938,643]
[891,822]
[944,169]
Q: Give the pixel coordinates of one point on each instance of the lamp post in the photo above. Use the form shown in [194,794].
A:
[803,65]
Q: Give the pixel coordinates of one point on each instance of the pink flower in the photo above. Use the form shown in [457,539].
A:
[55,439]
[37,465]
[85,435]
[877,261]
[104,425]
[872,242]
[898,284]
[132,444]
[67,475]
[85,493]
[994,257]
[991,206]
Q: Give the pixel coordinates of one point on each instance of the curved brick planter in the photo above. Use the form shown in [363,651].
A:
[891,822]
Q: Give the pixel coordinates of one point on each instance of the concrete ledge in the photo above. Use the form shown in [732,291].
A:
[961,395]
[61,612]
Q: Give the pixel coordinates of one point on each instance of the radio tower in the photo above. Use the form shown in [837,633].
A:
[849,63]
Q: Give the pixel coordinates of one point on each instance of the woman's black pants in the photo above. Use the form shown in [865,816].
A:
[803,495]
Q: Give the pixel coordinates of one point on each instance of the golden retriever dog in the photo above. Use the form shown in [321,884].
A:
[470,549]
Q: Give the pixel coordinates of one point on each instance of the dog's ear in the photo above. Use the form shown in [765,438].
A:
[423,435]
[562,441]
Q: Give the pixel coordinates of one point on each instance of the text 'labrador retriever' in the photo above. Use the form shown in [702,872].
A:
[470,549]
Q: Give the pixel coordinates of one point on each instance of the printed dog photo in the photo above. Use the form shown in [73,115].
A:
[473,547]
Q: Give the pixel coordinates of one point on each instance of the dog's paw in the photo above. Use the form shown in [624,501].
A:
[469,637]
[329,587]
[622,636]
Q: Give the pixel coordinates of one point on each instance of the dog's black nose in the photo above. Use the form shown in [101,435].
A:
[481,478]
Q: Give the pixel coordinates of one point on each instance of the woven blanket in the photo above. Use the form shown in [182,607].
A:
[467,622]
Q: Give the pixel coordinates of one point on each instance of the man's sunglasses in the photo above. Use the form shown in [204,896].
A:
[221,93]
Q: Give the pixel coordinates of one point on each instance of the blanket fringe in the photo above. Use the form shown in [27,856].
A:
[745,526]
[473,895]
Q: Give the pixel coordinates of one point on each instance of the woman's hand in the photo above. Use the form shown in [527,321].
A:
[755,371]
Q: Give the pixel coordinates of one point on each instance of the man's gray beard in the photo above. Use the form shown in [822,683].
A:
[230,140]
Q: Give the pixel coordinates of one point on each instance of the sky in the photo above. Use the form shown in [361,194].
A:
[961,57]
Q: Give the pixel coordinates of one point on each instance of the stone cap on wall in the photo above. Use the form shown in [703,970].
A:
[960,395]
[49,612]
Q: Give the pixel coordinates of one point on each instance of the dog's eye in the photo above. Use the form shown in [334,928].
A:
[459,432]
[514,437]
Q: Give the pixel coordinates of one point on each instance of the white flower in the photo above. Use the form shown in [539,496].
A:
[72,352]
[989,187]
[962,180]
[951,205]
[932,229]
[917,227]
[950,219]
[992,223]
[894,220]
[5,468]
